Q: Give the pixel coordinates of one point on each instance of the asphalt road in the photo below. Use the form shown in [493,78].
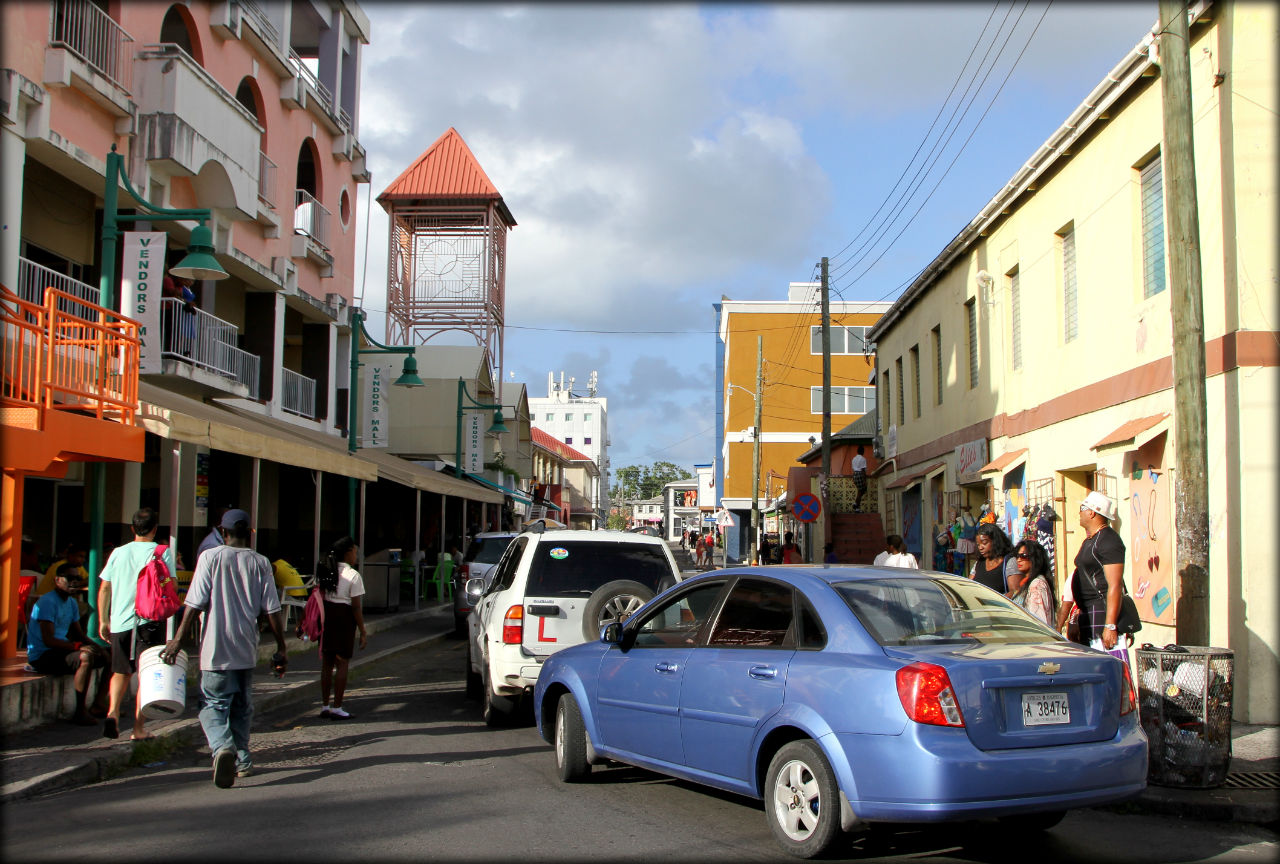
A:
[416,775]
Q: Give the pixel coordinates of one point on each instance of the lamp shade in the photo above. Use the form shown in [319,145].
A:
[199,262]
[497,428]
[409,374]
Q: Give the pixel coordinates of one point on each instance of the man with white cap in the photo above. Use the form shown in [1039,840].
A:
[1097,585]
[232,585]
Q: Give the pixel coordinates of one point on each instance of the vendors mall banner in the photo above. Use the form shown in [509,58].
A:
[378,376]
[142,272]
[473,430]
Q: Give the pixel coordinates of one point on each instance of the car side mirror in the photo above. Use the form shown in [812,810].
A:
[473,589]
[611,634]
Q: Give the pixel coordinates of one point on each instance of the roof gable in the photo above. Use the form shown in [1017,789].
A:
[447,170]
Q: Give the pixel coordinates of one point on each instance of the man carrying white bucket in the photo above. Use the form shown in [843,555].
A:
[232,585]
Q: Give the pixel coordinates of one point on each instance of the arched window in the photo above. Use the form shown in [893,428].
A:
[309,169]
[309,216]
[179,28]
[248,95]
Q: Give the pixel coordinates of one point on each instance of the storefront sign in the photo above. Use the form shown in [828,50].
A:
[473,442]
[970,457]
[891,443]
[377,416]
[142,272]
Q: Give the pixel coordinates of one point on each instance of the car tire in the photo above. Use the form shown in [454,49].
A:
[494,716]
[570,741]
[612,601]
[473,677]
[1031,823]
[802,801]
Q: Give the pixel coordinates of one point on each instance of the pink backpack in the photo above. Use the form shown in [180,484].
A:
[157,596]
[311,627]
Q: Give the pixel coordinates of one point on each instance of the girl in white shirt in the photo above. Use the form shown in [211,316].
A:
[343,588]
[898,554]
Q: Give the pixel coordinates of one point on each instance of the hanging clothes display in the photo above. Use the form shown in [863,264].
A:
[1044,534]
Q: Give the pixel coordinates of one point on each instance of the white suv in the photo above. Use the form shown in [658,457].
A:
[552,589]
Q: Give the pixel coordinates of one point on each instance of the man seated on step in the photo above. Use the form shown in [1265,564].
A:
[57,645]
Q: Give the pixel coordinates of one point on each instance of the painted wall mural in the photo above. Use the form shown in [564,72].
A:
[1150,572]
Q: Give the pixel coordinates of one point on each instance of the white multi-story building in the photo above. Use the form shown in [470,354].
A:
[579,421]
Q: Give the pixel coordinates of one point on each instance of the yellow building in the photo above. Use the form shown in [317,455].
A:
[1031,362]
[790,393]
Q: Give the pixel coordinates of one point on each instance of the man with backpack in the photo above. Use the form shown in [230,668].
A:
[232,585]
[120,626]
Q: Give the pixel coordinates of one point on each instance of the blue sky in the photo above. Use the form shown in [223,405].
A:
[657,157]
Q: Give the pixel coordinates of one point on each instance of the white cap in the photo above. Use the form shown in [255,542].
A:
[1100,504]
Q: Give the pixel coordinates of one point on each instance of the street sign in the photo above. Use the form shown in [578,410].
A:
[724,519]
[807,507]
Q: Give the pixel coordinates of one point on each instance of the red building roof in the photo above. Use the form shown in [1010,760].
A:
[555,445]
[446,171]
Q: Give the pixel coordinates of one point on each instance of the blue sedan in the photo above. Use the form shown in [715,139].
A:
[850,695]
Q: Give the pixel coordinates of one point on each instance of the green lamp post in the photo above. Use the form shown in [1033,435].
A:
[408,378]
[497,428]
[199,263]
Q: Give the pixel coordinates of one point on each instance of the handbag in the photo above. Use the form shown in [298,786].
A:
[1128,621]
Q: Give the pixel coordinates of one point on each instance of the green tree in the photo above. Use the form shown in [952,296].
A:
[641,482]
[615,522]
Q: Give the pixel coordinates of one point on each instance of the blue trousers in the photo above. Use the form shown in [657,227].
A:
[226,711]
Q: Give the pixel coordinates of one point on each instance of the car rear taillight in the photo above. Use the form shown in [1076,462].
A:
[927,695]
[513,626]
[1128,698]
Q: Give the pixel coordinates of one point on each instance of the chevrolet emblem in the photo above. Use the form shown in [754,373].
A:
[1049,669]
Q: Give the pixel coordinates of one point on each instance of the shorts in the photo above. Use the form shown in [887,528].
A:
[123,661]
[63,661]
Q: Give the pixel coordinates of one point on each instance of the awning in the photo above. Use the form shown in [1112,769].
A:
[906,481]
[891,462]
[505,490]
[179,418]
[1134,433]
[406,473]
[556,507]
[1005,463]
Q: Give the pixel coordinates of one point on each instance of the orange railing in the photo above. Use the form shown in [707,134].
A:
[58,361]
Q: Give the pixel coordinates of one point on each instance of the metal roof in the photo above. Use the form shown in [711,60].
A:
[447,171]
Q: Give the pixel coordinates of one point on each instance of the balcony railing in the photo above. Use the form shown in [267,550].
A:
[191,335]
[266,180]
[311,218]
[92,35]
[344,120]
[52,359]
[75,297]
[264,26]
[299,394]
[304,72]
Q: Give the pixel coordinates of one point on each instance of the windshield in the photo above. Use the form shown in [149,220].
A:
[939,611]
[487,550]
[577,568]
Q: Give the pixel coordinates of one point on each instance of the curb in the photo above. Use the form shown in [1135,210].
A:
[101,766]
[1246,806]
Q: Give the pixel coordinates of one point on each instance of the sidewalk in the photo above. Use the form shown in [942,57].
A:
[60,755]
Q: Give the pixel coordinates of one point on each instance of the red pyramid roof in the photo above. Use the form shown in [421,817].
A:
[447,170]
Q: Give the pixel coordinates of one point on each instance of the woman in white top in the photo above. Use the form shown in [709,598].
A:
[898,554]
[343,588]
[1035,588]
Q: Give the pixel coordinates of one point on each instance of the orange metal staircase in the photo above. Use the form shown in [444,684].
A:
[69,393]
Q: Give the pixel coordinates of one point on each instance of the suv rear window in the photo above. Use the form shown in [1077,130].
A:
[576,569]
[486,550]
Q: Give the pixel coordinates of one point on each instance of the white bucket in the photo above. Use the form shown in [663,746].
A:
[162,689]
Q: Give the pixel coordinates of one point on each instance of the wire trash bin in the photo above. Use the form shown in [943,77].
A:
[1184,702]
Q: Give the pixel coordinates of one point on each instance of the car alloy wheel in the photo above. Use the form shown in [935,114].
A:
[613,601]
[802,799]
[570,741]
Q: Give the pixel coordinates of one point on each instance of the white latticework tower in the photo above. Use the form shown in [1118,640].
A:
[447,250]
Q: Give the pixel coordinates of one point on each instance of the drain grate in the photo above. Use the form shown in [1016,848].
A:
[1253,780]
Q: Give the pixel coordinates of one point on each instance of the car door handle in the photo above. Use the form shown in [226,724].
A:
[666,667]
[764,673]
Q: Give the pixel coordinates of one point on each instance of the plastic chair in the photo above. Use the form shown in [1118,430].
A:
[442,578]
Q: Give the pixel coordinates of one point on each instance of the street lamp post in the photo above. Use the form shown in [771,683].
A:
[408,378]
[753,543]
[497,428]
[199,263]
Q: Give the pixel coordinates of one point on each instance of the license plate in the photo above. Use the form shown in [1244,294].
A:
[1045,709]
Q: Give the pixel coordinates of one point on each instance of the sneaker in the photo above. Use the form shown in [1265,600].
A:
[338,714]
[246,771]
[326,711]
[224,768]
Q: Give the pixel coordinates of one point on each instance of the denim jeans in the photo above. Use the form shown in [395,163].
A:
[226,711]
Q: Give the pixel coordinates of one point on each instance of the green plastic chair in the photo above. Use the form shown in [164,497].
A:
[442,578]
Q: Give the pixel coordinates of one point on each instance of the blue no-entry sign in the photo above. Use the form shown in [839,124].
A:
[807,507]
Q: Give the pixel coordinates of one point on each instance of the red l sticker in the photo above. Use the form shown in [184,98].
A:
[542,636]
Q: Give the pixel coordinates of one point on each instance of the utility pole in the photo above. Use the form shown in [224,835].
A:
[826,410]
[754,557]
[1190,479]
